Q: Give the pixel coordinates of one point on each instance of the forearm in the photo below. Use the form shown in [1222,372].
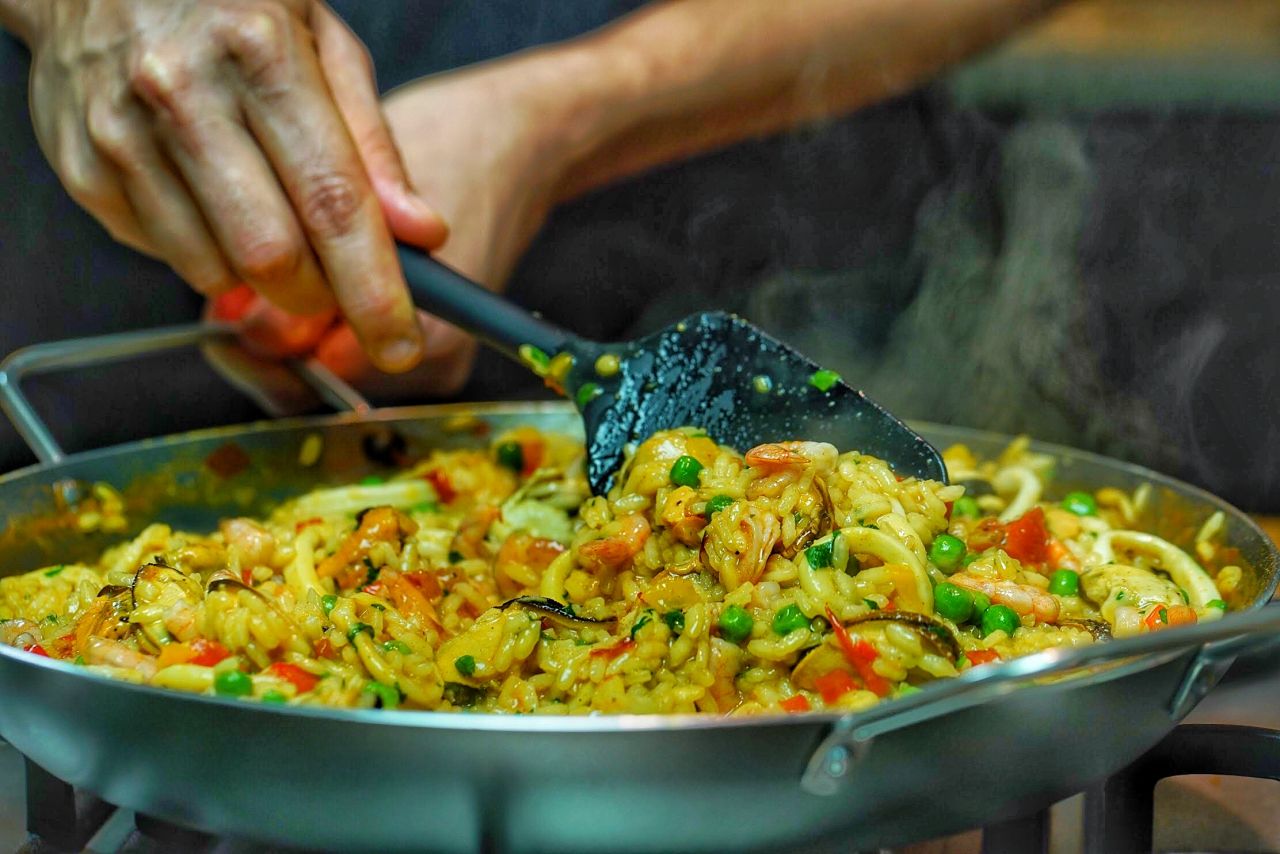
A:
[686,76]
[19,18]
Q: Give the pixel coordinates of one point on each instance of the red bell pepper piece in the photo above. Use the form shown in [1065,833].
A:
[325,649]
[981,656]
[1026,538]
[207,653]
[797,703]
[861,655]
[444,489]
[834,685]
[301,679]
[36,649]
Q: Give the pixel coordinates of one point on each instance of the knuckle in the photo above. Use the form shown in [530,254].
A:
[110,133]
[267,261]
[259,39]
[161,77]
[330,205]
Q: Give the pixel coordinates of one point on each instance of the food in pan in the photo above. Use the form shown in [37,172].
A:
[789,578]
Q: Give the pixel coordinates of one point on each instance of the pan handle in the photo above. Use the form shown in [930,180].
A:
[1221,642]
[117,346]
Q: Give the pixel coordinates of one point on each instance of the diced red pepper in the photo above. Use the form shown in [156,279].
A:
[950,505]
[325,649]
[1026,538]
[301,679]
[861,655]
[36,649]
[532,451]
[444,489]
[246,576]
[207,653]
[797,703]
[981,656]
[834,685]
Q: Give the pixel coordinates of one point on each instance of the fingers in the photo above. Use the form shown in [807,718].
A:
[445,366]
[350,76]
[290,112]
[160,201]
[247,213]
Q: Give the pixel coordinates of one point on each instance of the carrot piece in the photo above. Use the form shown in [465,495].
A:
[301,679]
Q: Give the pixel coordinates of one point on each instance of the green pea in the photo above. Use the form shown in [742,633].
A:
[946,552]
[824,380]
[1065,582]
[716,503]
[999,618]
[388,696]
[789,619]
[821,555]
[465,664]
[981,602]
[953,602]
[674,620]
[684,471]
[275,697]
[233,683]
[966,505]
[1080,503]
[736,623]
[511,455]
[327,602]
[587,393]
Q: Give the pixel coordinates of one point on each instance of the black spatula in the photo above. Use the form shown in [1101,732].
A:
[711,370]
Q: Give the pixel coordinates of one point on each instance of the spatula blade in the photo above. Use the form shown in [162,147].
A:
[717,371]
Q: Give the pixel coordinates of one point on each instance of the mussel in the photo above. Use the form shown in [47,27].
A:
[557,612]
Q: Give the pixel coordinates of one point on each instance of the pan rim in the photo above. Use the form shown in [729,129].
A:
[599,724]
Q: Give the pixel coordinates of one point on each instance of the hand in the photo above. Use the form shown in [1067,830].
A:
[239,141]
[488,147]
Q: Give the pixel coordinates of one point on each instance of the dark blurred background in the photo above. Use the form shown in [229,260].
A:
[1074,236]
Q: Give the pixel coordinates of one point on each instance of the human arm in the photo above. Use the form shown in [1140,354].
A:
[237,140]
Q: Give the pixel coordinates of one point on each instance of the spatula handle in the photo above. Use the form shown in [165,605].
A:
[451,296]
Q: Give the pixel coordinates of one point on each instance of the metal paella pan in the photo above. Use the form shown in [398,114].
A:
[968,751]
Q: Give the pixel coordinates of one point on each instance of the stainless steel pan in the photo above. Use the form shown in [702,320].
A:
[997,742]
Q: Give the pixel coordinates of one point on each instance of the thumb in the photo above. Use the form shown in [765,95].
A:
[349,72]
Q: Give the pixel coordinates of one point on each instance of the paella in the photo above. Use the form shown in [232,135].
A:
[793,577]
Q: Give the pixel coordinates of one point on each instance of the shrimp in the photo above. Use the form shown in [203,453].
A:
[738,542]
[677,516]
[20,633]
[628,536]
[254,543]
[115,654]
[1022,598]
[380,524]
[521,561]
[783,455]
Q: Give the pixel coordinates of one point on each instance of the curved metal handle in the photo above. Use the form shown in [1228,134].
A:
[104,349]
[1222,640]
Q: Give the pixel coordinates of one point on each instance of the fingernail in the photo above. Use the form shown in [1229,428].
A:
[399,354]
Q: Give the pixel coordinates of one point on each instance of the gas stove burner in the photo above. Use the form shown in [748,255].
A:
[1118,813]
